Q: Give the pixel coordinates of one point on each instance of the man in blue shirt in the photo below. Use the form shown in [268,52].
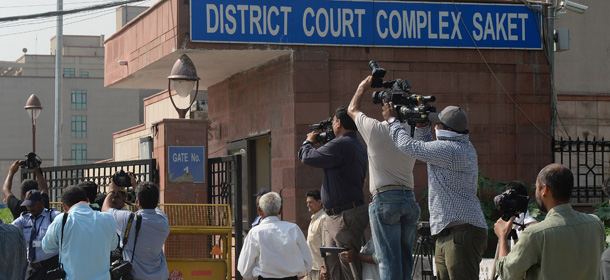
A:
[34,225]
[148,260]
[88,238]
[344,160]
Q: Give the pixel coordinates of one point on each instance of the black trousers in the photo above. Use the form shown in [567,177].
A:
[38,271]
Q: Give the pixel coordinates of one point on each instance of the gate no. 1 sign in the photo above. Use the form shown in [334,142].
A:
[186,164]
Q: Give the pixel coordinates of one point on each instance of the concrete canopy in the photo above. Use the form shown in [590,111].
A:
[212,66]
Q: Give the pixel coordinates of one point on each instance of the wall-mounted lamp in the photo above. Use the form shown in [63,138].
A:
[122,62]
[183,77]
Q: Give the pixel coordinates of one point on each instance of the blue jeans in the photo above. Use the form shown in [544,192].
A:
[393,216]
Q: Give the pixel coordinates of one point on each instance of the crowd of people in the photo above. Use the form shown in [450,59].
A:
[42,243]
[565,245]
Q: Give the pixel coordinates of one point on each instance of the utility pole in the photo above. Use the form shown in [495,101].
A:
[58,78]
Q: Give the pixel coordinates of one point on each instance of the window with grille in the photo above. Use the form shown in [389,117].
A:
[79,153]
[69,72]
[79,99]
[79,126]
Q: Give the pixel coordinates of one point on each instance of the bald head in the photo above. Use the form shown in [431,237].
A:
[558,179]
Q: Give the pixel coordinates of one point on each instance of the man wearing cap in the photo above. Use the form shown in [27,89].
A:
[13,203]
[393,213]
[258,195]
[34,224]
[344,162]
[456,217]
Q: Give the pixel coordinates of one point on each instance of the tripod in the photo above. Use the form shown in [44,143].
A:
[424,250]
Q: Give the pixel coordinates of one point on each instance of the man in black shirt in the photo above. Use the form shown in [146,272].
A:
[13,203]
[345,162]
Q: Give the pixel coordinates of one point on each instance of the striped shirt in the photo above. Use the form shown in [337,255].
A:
[452,175]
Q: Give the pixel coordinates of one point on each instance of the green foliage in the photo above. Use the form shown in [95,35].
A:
[6,215]
[602,210]
[487,190]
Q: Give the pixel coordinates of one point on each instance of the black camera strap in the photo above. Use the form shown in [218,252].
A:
[138,224]
[128,229]
[61,241]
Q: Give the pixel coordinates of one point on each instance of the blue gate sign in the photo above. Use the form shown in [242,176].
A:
[186,164]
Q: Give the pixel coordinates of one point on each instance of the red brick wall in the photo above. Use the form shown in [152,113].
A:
[286,95]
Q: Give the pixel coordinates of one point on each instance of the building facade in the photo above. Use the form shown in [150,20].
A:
[262,97]
[90,113]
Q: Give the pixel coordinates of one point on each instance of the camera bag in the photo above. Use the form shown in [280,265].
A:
[120,269]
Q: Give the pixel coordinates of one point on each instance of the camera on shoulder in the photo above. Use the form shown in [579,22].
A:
[411,108]
[326,128]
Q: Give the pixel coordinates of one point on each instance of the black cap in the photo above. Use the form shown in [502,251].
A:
[261,192]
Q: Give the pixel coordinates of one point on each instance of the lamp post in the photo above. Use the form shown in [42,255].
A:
[183,76]
[33,108]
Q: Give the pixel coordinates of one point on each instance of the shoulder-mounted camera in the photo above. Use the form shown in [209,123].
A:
[326,128]
[411,108]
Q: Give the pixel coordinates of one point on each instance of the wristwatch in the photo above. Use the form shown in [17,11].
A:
[391,120]
[306,142]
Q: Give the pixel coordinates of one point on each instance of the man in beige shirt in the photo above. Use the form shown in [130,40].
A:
[315,232]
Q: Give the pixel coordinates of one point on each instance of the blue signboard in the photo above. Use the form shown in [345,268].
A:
[366,23]
[186,164]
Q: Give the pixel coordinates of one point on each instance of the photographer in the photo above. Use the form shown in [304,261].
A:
[566,245]
[13,203]
[344,161]
[121,181]
[85,242]
[34,225]
[148,259]
[456,217]
[393,212]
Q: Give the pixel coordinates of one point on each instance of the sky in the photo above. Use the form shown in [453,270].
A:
[36,34]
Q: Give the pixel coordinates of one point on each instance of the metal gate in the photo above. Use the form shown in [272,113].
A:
[588,160]
[225,187]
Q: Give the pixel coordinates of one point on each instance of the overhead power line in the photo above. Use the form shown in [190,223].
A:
[67,12]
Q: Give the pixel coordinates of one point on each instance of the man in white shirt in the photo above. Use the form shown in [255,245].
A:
[274,249]
[315,232]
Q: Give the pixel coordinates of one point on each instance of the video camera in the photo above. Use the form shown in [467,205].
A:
[411,108]
[30,162]
[511,203]
[327,134]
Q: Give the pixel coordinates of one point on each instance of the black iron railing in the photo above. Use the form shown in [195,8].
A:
[60,177]
[588,160]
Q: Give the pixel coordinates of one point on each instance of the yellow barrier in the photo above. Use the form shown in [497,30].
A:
[199,245]
[200,240]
